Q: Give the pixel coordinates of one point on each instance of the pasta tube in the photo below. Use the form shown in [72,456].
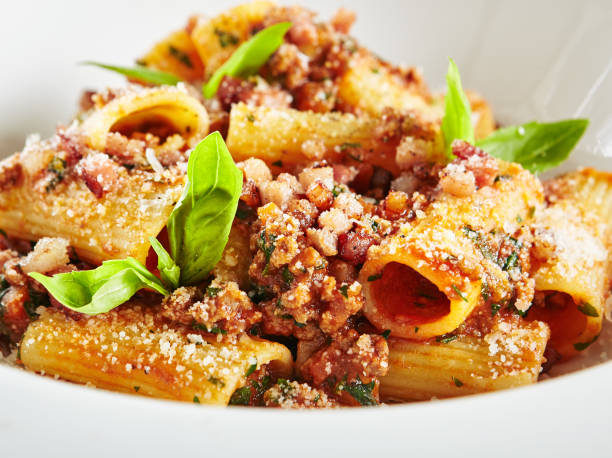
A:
[573,240]
[282,135]
[168,110]
[129,350]
[425,280]
[510,356]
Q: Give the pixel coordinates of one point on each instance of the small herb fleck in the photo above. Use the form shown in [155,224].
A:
[211,291]
[416,329]
[445,339]
[287,276]
[57,166]
[495,308]
[226,38]
[250,117]
[386,333]
[251,369]
[502,178]
[460,294]
[216,381]
[588,309]
[181,56]
[137,389]
[344,290]
[458,383]
[375,277]
[360,391]
[375,226]
[511,261]
[337,190]
[278,163]
[580,346]
[519,219]
[241,397]
[196,400]
[267,245]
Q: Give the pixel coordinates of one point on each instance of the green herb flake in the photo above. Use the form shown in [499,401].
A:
[251,118]
[588,310]
[288,277]
[249,57]
[267,245]
[251,369]
[57,166]
[375,226]
[458,383]
[344,290]
[136,389]
[216,381]
[499,178]
[241,397]
[519,219]
[460,294]
[337,190]
[360,391]
[581,346]
[277,163]
[226,39]
[375,277]
[347,145]
[416,329]
[386,333]
[196,400]
[445,339]
[511,261]
[495,308]
[142,74]
[211,291]
[181,56]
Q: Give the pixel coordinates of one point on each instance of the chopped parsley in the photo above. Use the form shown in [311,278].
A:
[216,381]
[580,346]
[251,118]
[485,293]
[196,400]
[287,276]
[35,300]
[375,226]
[511,261]
[225,38]
[360,391]
[386,333]
[460,294]
[585,308]
[337,190]
[375,277]
[344,290]
[458,383]
[495,308]
[259,293]
[346,145]
[251,369]
[211,291]
[267,245]
[57,166]
[278,163]
[137,389]
[181,56]
[445,339]
[416,329]
[214,330]
[502,178]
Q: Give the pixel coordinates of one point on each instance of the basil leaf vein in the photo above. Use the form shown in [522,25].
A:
[457,120]
[249,57]
[199,225]
[536,146]
[143,74]
[101,289]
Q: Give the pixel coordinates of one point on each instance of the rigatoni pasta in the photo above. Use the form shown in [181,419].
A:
[269,214]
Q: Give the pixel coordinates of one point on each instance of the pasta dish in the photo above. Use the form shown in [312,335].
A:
[269,214]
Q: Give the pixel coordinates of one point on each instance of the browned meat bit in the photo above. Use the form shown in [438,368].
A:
[293,395]
[395,205]
[99,173]
[85,102]
[353,246]
[234,90]
[343,20]
[349,365]
[483,166]
[221,309]
[73,144]
[319,97]
[289,65]
[11,175]
[126,151]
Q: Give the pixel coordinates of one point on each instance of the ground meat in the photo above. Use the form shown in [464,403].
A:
[353,246]
[14,315]
[99,173]
[222,309]
[235,90]
[483,166]
[457,181]
[343,20]
[321,196]
[289,65]
[349,355]
[73,144]
[319,97]
[11,175]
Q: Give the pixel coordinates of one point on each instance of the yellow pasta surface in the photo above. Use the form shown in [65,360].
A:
[129,350]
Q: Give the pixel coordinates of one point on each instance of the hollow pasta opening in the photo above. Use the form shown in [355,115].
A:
[405,296]
[155,120]
[560,312]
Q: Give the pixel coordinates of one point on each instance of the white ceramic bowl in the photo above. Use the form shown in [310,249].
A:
[545,60]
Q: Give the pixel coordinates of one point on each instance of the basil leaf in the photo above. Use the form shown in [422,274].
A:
[101,289]
[199,225]
[168,269]
[144,74]
[457,120]
[536,146]
[249,57]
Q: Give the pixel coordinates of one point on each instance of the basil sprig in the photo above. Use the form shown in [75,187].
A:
[101,289]
[457,121]
[199,225]
[143,74]
[249,57]
[536,146]
[198,230]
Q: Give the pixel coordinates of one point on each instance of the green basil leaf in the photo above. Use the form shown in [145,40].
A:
[536,146]
[249,57]
[169,271]
[199,225]
[457,121]
[144,74]
[101,289]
